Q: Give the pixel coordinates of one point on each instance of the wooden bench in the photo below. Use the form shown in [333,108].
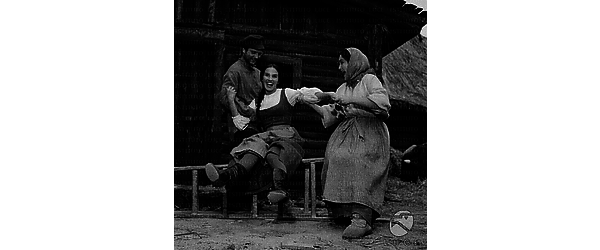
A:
[310,192]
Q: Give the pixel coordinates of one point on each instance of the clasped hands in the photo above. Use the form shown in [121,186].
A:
[240,122]
[339,99]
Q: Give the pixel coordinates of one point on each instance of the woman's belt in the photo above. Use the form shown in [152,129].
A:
[278,127]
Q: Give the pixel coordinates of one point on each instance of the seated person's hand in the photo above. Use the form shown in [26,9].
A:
[240,122]
[312,99]
[311,95]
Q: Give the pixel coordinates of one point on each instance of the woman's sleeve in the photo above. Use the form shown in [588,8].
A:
[303,95]
[378,94]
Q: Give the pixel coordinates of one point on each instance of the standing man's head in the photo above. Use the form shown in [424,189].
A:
[252,49]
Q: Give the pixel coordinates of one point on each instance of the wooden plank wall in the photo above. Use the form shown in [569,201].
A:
[200,61]
[303,40]
[193,101]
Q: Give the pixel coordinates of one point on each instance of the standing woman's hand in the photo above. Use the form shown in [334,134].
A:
[343,100]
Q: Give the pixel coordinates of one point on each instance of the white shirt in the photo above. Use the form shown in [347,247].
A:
[293,97]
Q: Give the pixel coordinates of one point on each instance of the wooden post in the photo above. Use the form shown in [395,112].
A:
[179,7]
[313,185]
[306,189]
[225,214]
[194,191]
[375,48]
[212,11]
[217,123]
[254,206]
[297,75]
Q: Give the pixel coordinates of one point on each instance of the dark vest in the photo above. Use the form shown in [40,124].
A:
[280,114]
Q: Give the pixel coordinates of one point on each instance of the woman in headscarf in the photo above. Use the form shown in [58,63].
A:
[356,158]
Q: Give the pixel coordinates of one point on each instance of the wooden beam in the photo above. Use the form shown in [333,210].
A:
[398,13]
[243,30]
[245,215]
[219,63]
[322,216]
[305,59]
[218,11]
[182,187]
[179,8]
[212,10]
[200,33]
[375,48]
[308,59]
[315,160]
[288,45]
[198,167]
[282,59]
[297,77]
[202,189]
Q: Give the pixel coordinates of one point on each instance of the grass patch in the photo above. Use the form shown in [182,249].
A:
[402,195]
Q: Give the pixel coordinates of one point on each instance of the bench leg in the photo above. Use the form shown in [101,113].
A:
[254,206]
[194,191]
[225,215]
[313,184]
[306,189]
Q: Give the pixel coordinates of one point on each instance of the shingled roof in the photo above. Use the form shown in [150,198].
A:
[405,72]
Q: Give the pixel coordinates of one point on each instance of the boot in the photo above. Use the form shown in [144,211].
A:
[278,194]
[358,228]
[285,211]
[222,177]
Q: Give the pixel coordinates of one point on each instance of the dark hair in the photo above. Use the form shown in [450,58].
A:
[345,54]
[263,91]
[252,41]
[271,65]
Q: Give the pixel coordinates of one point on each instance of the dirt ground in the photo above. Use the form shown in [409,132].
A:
[206,233]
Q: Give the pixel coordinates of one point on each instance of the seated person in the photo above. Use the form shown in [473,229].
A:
[279,145]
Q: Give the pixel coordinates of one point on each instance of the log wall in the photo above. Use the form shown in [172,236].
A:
[303,41]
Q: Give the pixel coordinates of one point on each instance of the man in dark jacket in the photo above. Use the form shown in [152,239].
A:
[244,77]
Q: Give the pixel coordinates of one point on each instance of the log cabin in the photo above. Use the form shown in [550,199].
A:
[303,38]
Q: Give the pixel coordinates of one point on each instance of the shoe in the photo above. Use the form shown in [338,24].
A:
[357,228]
[220,177]
[321,204]
[211,172]
[284,211]
[276,196]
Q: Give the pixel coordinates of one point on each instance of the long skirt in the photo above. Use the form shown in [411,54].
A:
[355,170]
[287,141]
